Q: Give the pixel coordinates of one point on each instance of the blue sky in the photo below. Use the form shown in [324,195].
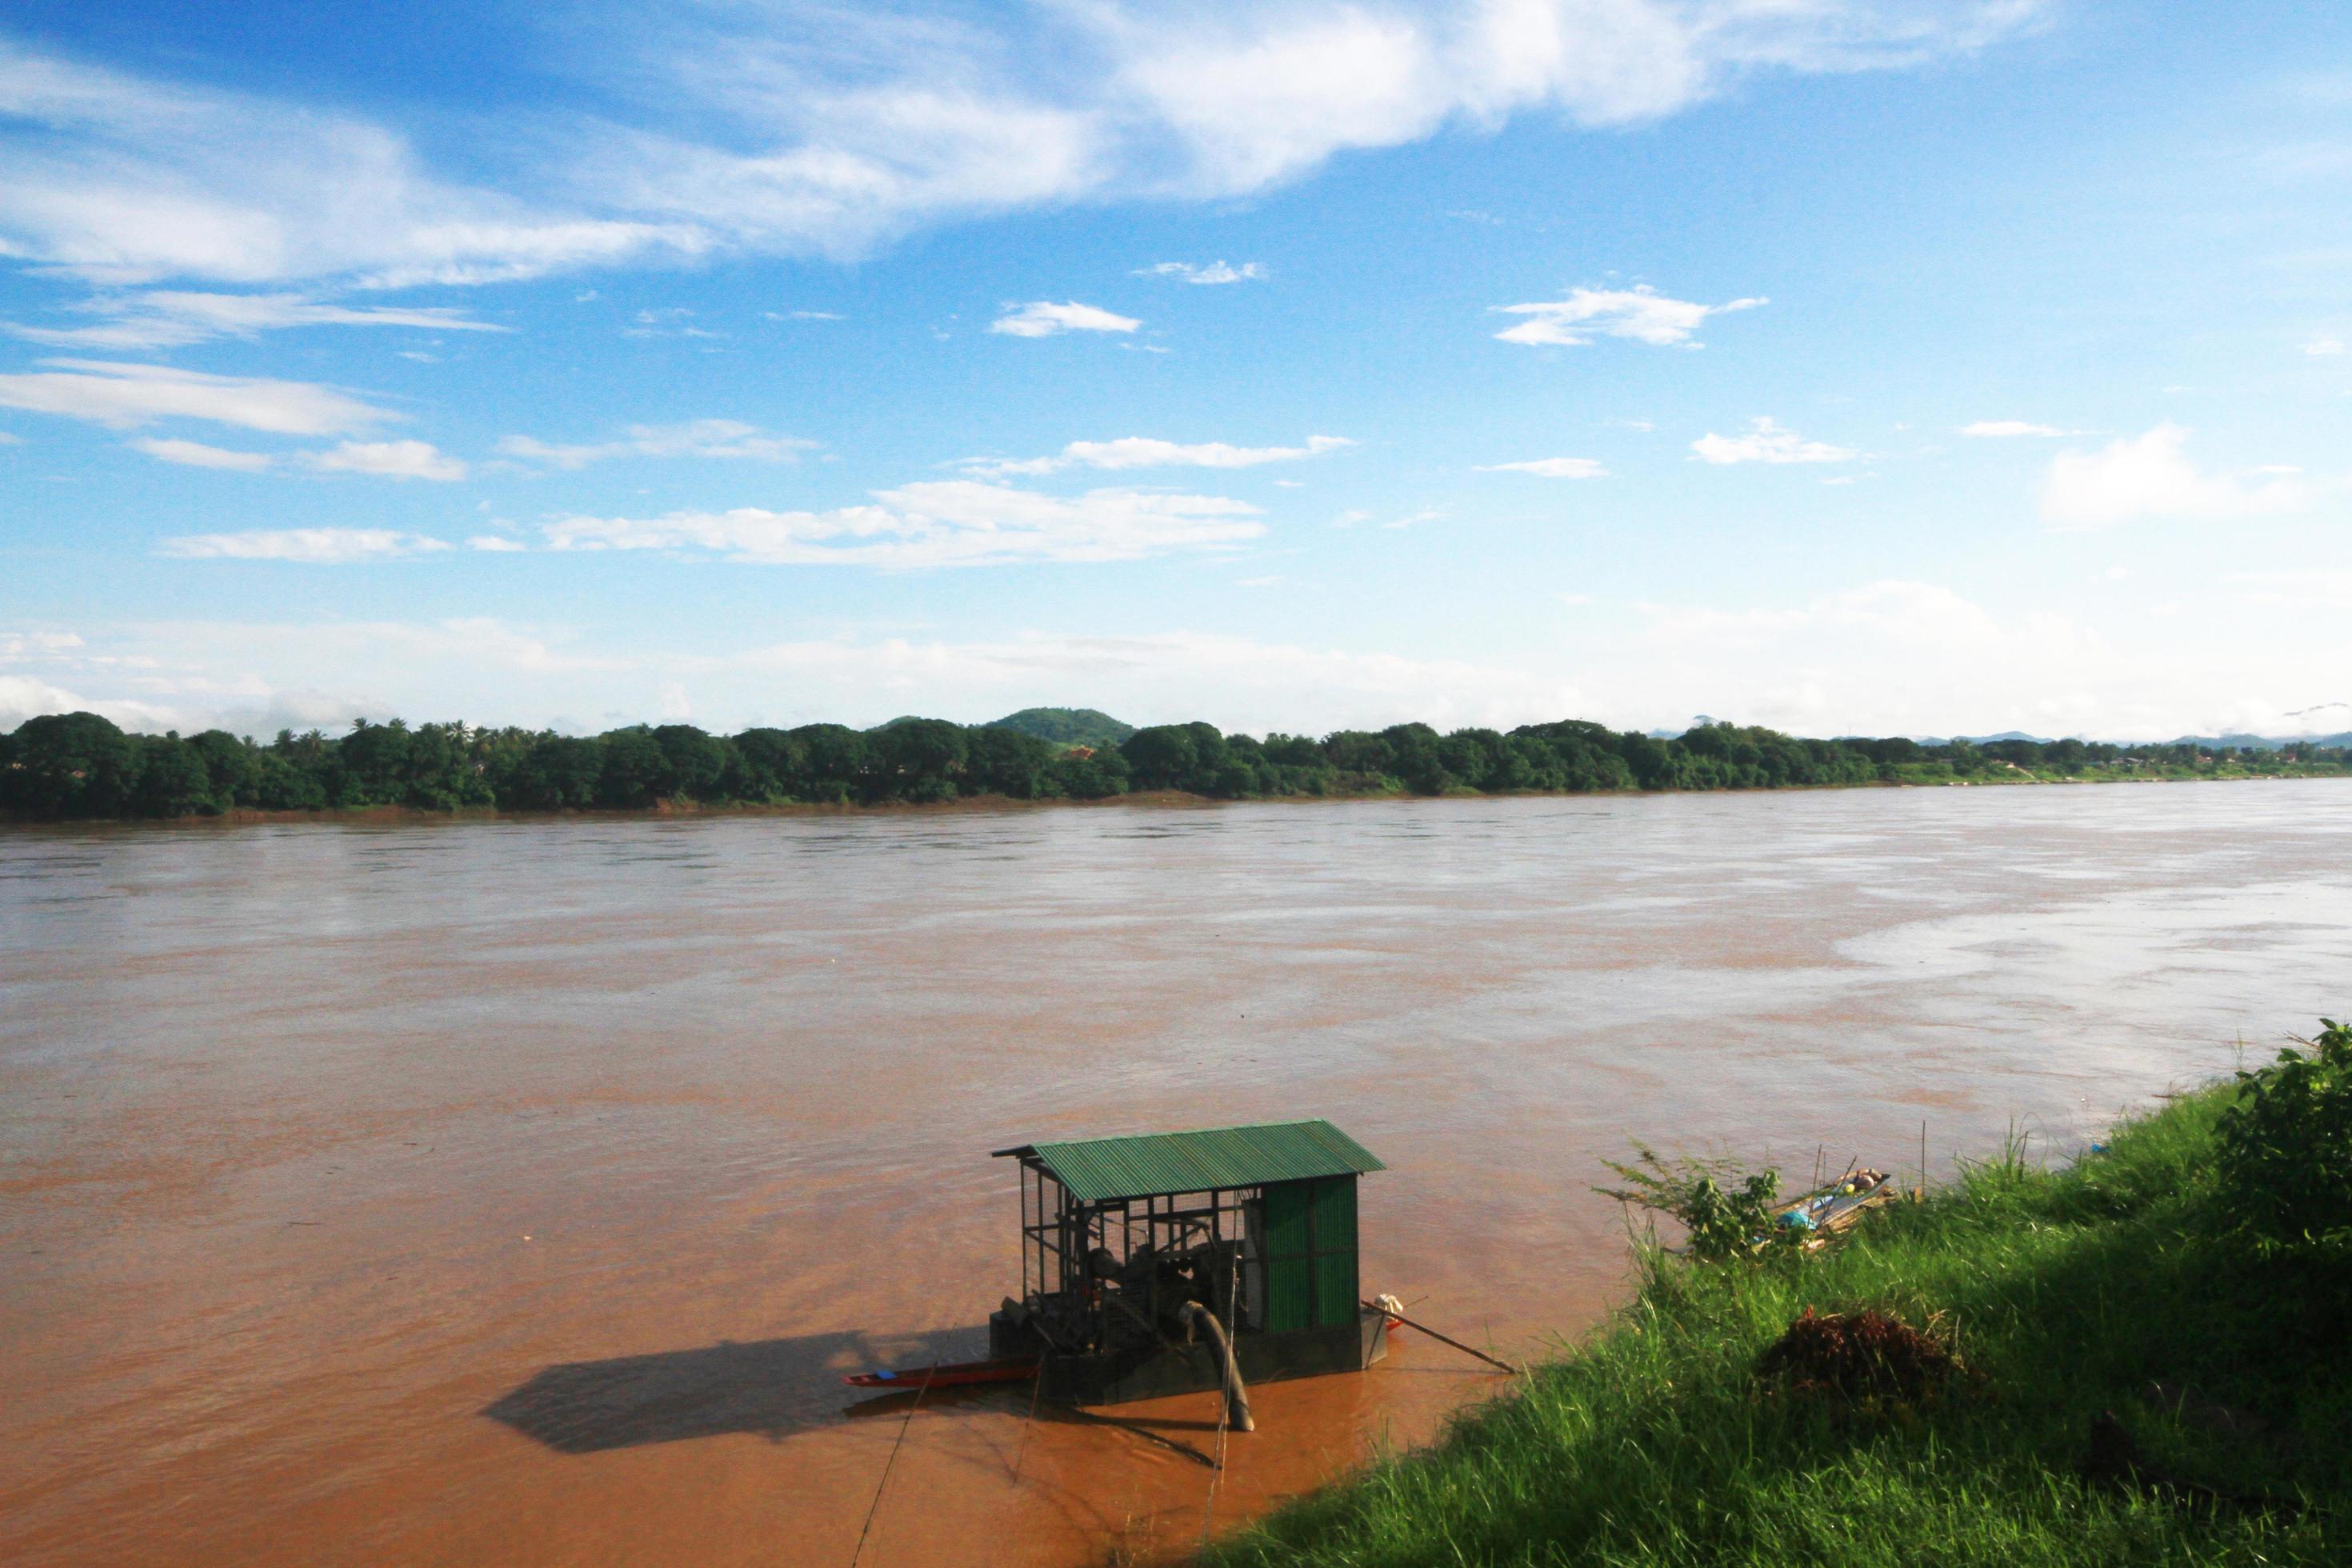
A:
[1840,365]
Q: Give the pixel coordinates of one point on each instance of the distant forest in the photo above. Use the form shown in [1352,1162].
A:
[81,765]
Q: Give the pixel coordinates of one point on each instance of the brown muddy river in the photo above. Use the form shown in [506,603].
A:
[520,1192]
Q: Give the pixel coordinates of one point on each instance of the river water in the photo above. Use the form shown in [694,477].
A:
[520,1190]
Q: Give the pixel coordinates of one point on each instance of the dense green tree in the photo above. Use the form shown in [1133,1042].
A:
[232,767]
[634,768]
[762,765]
[172,779]
[552,772]
[72,765]
[998,761]
[841,763]
[692,763]
[81,765]
[1094,777]
[919,760]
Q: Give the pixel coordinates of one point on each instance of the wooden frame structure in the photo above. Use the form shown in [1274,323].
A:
[1258,1225]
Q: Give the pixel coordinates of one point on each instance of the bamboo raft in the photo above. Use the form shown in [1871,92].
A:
[1828,1210]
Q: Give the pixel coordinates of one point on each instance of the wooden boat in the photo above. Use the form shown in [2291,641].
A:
[951,1375]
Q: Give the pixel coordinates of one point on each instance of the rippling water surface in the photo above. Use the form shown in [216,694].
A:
[519,1192]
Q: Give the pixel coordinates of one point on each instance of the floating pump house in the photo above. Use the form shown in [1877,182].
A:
[1125,1241]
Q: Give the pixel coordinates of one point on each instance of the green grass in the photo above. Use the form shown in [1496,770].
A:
[2068,1291]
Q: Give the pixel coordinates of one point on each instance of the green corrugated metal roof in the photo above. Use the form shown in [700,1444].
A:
[1101,1169]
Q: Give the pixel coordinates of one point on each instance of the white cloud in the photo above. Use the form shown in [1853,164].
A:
[668,322]
[1552,467]
[693,439]
[316,546]
[2313,588]
[391,460]
[1148,452]
[1908,658]
[259,677]
[196,455]
[832,130]
[1214,272]
[1044,319]
[126,179]
[17,647]
[1766,442]
[1639,314]
[170,319]
[1998,428]
[497,544]
[948,523]
[801,315]
[122,395]
[2324,347]
[2151,476]
[24,697]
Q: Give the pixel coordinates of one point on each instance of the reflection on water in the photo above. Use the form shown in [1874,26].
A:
[520,1191]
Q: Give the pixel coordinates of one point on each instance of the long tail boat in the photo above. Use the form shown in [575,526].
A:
[947,1374]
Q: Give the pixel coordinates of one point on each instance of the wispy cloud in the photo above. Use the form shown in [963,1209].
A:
[309,546]
[667,322]
[123,395]
[2324,348]
[692,438]
[1551,467]
[170,319]
[1999,429]
[2151,476]
[196,455]
[948,523]
[1146,452]
[1767,441]
[126,179]
[391,460]
[1214,272]
[2315,588]
[831,130]
[1044,319]
[1642,314]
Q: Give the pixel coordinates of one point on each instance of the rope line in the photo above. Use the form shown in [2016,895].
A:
[883,1485]
[1020,1452]
[1224,1408]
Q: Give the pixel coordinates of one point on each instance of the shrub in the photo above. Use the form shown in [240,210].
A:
[1726,1212]
[2285,1153]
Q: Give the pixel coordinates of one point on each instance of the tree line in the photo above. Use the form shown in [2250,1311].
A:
[82,766]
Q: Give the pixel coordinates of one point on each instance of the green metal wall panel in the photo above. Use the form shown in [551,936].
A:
[1334,1251]
[1289,1266]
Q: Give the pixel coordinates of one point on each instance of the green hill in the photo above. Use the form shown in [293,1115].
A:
[1067,726]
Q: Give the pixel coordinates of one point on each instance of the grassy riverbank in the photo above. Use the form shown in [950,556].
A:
[2109,1285]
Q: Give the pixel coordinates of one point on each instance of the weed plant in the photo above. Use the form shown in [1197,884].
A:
[2121,1283]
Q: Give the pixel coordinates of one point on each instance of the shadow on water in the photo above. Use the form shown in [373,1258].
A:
[773,1389]
[770,1388]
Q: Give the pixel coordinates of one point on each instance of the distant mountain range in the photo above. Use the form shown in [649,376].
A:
[2232,741]
[1092,727]
[2210,743]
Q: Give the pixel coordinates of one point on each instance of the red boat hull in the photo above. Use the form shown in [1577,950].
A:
[956,1375]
